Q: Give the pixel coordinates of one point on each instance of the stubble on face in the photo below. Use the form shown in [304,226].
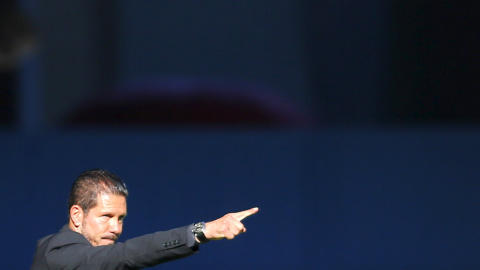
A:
[96,226]
[111,238]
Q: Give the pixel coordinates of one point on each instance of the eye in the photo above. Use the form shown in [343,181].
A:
[106,216]
[121,218]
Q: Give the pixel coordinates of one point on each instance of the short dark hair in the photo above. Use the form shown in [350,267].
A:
[90,184]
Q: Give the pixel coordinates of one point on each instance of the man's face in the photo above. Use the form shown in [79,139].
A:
[104,223]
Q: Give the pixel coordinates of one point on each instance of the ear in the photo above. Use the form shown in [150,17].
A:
[76,215]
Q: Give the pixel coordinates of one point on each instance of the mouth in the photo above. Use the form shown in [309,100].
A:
[111,239]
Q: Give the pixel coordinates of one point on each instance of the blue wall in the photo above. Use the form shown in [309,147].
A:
[353,198]
[330,199]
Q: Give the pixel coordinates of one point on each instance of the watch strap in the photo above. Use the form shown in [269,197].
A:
[199,232]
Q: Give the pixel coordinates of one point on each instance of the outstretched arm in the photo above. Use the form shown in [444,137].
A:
[228,226]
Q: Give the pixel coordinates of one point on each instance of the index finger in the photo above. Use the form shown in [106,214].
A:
[243,214]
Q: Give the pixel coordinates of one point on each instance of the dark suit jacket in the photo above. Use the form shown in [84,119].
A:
[71,250]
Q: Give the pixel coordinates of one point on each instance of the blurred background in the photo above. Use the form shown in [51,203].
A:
[353,125]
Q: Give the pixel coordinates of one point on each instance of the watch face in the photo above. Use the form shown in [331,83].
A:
[197,227]
[198,231]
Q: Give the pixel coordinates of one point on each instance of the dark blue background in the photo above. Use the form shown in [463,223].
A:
[330,199]
[387,176]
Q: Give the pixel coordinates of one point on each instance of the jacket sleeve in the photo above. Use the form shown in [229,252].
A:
[75,252]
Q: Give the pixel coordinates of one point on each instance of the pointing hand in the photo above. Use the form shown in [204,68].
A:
[228,226]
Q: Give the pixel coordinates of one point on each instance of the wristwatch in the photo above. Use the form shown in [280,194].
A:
[199,232]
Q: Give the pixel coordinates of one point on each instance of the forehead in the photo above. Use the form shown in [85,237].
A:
[111,203]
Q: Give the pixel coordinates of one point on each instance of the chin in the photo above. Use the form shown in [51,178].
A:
[107,242]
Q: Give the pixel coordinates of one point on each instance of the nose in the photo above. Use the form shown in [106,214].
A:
[115,226]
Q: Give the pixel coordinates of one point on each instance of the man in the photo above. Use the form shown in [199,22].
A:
[97,208]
